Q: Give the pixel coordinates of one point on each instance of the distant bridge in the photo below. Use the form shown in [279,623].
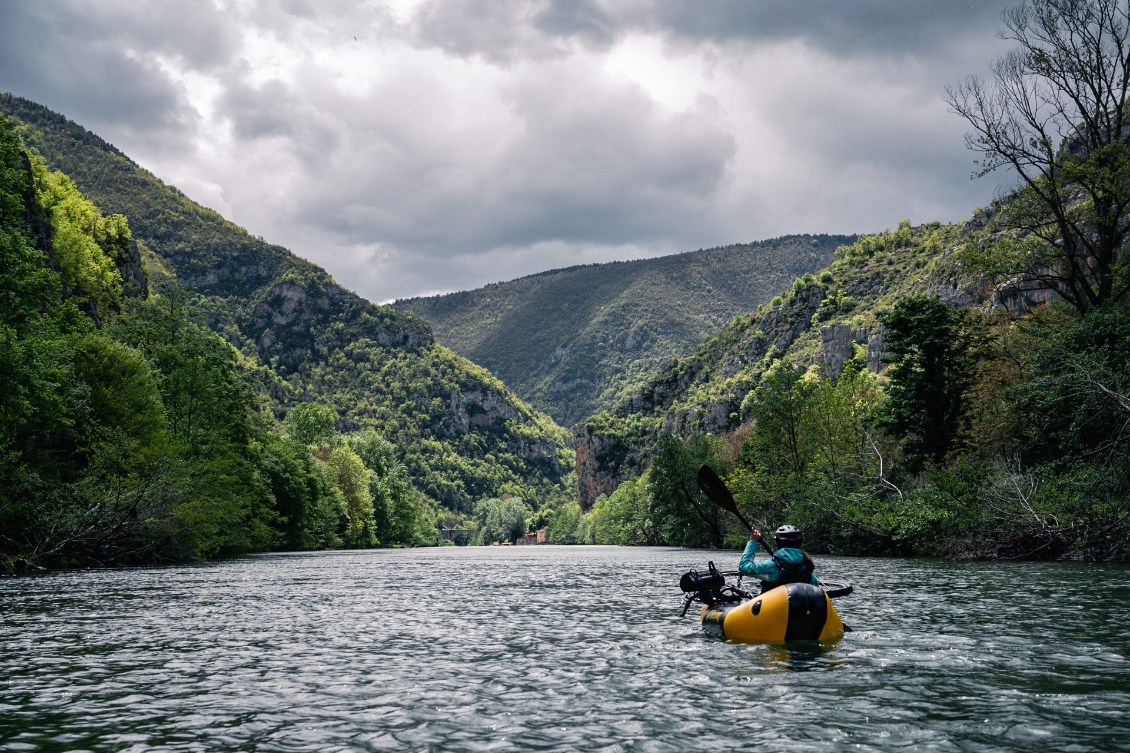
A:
[458,536]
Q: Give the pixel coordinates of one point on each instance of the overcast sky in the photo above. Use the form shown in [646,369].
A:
[419,147]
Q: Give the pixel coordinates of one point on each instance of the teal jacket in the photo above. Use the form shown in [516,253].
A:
[767,569]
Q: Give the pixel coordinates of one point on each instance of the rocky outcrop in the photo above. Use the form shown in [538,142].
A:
[875,351]
[299,318]
[837,347]
[603,463]
[1017,296]
[476,408]
[134,282]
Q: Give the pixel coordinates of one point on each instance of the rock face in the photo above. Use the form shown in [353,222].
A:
[1017,296]
[134,282]
[875,351]
[603,463]
[837,345]
[475,408]
[297,319]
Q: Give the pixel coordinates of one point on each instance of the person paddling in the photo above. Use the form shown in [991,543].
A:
[789,564]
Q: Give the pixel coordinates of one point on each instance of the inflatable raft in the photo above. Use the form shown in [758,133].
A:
[792,612]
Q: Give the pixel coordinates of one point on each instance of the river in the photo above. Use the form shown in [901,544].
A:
[554,649]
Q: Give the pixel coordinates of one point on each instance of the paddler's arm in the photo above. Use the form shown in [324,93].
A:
[748,565]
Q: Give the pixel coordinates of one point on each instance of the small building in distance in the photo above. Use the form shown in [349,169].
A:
[534,537]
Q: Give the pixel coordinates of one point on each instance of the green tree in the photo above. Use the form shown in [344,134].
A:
[397,511]
[500,519]
[1056,114]
[310,423]
[350,478]
[781,408]
[565,525]
[302,496]
[932,367]
[683,515]
[624,517]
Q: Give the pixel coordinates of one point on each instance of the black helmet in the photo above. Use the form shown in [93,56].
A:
[788,536]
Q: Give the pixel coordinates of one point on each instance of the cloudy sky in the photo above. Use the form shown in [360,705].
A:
[422,146]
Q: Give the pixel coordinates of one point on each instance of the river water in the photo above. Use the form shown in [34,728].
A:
[554,648]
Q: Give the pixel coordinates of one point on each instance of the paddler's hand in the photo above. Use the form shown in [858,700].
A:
[754,534]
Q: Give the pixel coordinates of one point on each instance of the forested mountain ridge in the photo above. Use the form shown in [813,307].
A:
[821,322]
[916,397]
[578,340]
[460,432]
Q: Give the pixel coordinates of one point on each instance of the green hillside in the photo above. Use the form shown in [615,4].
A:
[575,341]
[903,400]
[460,432]
[707,391]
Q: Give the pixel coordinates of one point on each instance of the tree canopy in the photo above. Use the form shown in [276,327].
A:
[1055,113]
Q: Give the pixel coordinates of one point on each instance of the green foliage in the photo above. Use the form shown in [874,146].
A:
[459,432]
[500,520]
[85,247]
[931,370]
[130,443]
[683,515]
[401,516]
[350,479]
[308,514]
[1009,439]
[624,518]
[310,423]
[565,525]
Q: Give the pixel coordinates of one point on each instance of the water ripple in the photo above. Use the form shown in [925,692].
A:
[553,649]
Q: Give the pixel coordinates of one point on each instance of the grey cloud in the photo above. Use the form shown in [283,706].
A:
[582,162]
[858,27]
[504,31]
[534,155]
[95,63]
[55,64]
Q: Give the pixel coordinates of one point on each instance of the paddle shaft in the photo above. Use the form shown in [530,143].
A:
[717,493]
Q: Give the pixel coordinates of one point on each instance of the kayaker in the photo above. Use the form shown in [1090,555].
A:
[789,564]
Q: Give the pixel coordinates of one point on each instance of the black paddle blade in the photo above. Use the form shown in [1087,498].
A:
[713,488]
[717,492]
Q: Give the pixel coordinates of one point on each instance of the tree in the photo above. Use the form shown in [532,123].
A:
[310,423]
[396,513]
[1056,114]
[349,476]
[624,518]
[500,519]
[931,370]
[683,515]
[781,407]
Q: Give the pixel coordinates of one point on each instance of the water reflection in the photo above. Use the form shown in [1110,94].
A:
[801,656]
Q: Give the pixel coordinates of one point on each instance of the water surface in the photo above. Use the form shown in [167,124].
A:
[554,648]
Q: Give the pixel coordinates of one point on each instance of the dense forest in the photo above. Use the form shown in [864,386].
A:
[130,433]
[143,420]
[459,431]
[996,425]
[574,341]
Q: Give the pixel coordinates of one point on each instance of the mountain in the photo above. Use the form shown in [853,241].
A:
[462,434]
[822,321]
[575,341]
